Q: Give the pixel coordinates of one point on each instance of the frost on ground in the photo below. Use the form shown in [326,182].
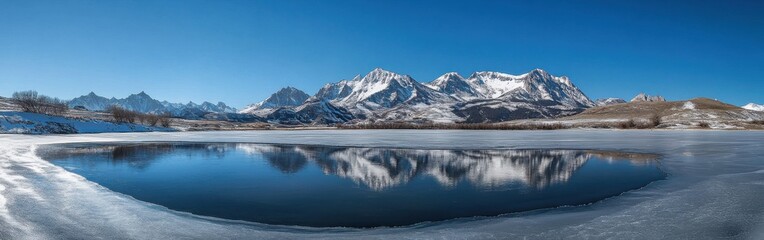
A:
[33,123]
[714,190]
[688,105]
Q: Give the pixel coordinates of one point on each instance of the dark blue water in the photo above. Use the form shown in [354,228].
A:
[353,187]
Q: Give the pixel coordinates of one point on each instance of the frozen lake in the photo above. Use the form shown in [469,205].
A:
[331,186]
[714,189]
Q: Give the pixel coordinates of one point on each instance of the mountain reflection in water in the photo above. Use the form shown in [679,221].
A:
[382,168]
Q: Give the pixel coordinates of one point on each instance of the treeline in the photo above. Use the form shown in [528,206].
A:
[31,101]
[455,126]
[122,115]
[652,122]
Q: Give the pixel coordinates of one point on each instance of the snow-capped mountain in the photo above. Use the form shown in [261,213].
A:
[539,86]
[536,94]
[383,95]
[144,103]
[642,97]
[140,102]
[192,110]
[608,101]
[313,111]
[220,107]
[338,90]
[455,86]
[535,86]
[92,102]
[381,89]
[286,97]
[754,107]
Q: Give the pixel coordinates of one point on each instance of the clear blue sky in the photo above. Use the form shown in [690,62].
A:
[240,52]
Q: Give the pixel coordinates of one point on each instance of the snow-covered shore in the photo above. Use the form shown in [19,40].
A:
[714,190]
[34,123]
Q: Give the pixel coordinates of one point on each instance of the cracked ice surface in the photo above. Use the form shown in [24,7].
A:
[715,190]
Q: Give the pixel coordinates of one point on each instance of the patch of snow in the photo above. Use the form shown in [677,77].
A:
[495,84]
[688,106]
[33,123]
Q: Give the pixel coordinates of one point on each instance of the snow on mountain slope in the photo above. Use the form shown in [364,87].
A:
[536,94]
[92,102]
[495,84]
[541,87]
[220,107]
[338,90]
[456,86]
[498,110]
[285,97]
[436,112]
[142,102]
[384,89]
[388,96]
[608,101]
[754,107]
[642,97]
[535,86]
[313,111]
[324,112]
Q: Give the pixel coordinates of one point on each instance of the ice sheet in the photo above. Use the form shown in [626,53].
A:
[715,189]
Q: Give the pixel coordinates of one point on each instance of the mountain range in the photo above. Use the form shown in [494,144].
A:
[383,95]
[144,103]
[608,101]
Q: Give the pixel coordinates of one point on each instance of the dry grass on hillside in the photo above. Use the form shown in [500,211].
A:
[647,109]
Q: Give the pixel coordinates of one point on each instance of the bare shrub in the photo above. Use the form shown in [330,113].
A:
[141,118]
[655,120]
[122,115]
[165,120]
[627,124]
[31,101]
[704,125]
[151,119]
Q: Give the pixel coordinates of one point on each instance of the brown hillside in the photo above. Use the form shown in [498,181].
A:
[648,109]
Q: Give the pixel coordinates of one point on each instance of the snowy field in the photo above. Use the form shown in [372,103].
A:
[715,190]
[12,122]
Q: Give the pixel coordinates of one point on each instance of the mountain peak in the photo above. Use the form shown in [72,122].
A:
[608,101]
[454,85]
[142,94]
[754,107]
[289,89]
[451,74]
[443,79]
[642,97]
[285,97]
[538,70]
[382,73]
